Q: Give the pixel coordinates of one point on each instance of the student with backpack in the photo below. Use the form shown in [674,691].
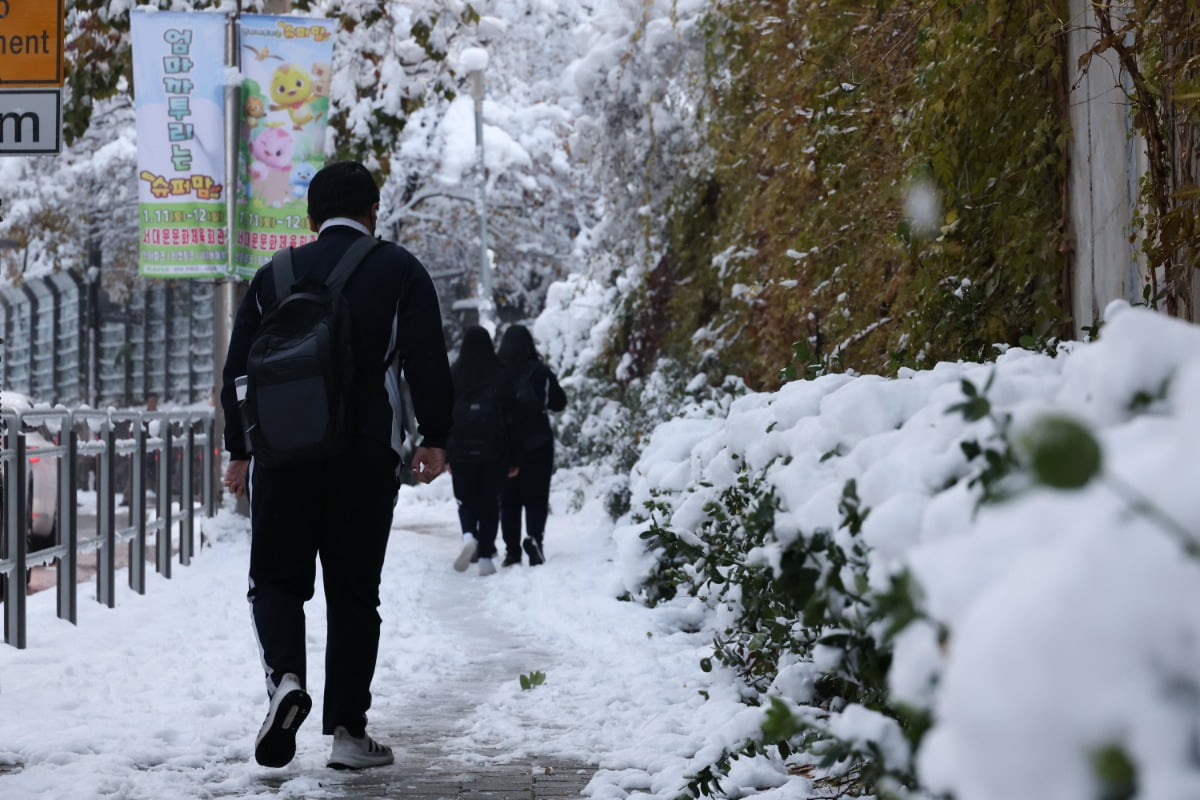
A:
[311,384]
[536,390]
[482,448]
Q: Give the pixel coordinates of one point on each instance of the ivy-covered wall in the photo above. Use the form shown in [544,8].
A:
[887,187]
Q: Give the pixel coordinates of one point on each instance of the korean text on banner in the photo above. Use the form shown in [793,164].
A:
[286,69]
[178,73]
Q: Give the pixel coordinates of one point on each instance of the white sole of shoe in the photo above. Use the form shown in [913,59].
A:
[276,744]
[355,763]
[464,558]
[352,757]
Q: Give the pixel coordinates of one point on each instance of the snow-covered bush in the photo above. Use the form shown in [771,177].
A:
[978,580]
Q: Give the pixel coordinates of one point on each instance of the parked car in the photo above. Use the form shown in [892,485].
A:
[41,489]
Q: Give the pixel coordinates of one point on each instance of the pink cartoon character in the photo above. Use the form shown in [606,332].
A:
[271,165]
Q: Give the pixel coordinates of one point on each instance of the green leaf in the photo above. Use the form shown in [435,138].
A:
[1061,452]
[1115,772]
[972,410]
[976,409]
[531,680]
[779,724]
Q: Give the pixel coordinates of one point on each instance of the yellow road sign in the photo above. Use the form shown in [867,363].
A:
[31,43]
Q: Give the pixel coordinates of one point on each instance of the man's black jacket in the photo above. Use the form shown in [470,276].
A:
[395,310]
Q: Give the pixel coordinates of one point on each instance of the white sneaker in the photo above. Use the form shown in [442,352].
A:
[276,742]
[469,545]
[486,567]
[357,752]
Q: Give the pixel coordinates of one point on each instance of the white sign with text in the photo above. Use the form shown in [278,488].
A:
[30,122]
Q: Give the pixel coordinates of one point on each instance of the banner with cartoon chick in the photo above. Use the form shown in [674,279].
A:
[180,108]
[286,69]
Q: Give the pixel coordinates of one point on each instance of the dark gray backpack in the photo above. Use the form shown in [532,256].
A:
[478,433]
[533,426]
[300,371]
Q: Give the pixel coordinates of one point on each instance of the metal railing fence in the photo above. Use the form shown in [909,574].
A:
[132,452]
[65,341]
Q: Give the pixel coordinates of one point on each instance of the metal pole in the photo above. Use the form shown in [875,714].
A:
[210,481]
[68,527]
[485,272]
[187,508]
[228,292]
[93,322]
[137,509]
[223,296]
[106,521]
[17,524]
[162,542]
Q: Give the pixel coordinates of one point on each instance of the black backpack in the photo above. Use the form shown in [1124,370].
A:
[533,428]
[477,435]
[300,371]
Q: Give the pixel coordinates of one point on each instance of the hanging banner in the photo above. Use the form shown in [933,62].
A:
[286,69]
[178,77]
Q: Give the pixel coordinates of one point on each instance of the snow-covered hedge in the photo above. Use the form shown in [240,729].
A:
[913,607]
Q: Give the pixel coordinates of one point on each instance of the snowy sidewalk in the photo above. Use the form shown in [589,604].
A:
[161,696]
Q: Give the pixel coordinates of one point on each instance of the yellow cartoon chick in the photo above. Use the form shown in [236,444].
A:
[292,89]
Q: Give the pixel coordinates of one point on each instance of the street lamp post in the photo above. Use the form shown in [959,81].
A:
[93,282]
[477,59]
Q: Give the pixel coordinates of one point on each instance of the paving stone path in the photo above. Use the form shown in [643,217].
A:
[424,768]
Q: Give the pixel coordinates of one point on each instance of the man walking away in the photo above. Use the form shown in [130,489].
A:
[338,506]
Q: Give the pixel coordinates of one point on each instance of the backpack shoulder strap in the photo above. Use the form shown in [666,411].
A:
[358,252]
[284,275]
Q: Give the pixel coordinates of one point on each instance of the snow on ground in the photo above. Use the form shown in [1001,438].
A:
[162,696]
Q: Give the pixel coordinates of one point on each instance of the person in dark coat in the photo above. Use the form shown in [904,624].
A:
[338,508]
[482,449]
[537,391]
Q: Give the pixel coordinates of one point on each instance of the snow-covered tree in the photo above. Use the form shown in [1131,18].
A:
[400,102]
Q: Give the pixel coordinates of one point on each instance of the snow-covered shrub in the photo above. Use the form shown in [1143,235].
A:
[966,581]
[800,625]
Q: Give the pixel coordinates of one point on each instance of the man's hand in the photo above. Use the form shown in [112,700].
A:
[513,471]
[235,477]
[428,463]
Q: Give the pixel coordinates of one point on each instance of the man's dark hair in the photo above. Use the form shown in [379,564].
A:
[341,189]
